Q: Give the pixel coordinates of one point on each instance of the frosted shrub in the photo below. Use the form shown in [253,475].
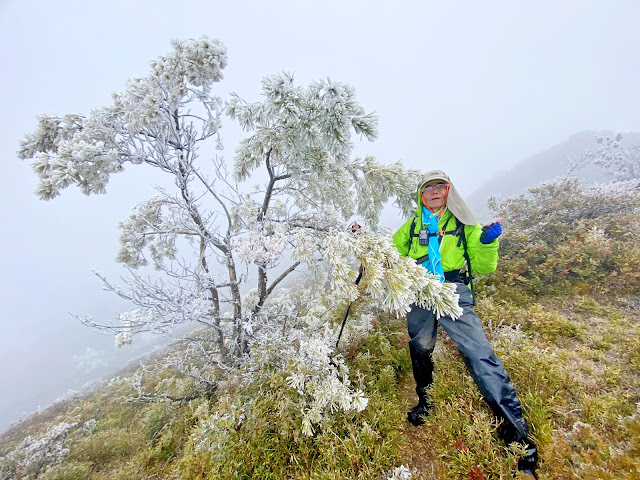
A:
[551,209]
[565,235]
[507,336]
[90,425]
[315,374]
[37,454]
[90,360]
[211,434]
[400,473]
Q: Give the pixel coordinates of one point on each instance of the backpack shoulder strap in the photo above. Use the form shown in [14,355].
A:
[412,232]
[462,238]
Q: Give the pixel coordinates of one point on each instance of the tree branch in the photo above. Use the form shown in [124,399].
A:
[215,195]
[268,291]
[281,277]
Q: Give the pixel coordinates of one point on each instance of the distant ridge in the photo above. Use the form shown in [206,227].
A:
[546,165]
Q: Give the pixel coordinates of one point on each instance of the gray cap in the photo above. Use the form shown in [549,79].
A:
[455,203]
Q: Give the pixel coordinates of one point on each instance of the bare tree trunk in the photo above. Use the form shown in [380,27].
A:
[263,292]
[185,169]
[215,301]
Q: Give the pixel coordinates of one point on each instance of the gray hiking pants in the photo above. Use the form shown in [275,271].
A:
[485,367]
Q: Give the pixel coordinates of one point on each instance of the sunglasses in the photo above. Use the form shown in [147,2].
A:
[437,186]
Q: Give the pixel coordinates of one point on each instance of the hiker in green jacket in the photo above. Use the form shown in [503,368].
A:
[446,239]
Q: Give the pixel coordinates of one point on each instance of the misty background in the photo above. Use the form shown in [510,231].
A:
[488,92]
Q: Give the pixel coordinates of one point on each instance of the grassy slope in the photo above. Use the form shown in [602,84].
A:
[575,367]
[573,355]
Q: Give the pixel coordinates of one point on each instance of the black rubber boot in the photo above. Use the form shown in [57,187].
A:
[418,413]
[529,461]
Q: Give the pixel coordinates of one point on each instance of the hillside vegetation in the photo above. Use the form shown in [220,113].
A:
[561,312]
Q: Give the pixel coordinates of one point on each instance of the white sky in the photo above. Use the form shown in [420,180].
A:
[470,87]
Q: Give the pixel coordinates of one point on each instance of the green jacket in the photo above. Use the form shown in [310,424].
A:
[483,257]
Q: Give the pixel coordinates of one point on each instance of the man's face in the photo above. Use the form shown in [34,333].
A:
[434,194]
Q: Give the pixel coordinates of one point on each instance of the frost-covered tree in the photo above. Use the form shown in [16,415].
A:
[624,164]
[222,247]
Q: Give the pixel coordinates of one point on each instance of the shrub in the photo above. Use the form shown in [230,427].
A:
[262,439]
[558,240]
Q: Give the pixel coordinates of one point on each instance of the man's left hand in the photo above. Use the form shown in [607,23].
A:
[491,231]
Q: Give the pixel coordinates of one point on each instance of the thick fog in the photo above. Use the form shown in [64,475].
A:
[469,87]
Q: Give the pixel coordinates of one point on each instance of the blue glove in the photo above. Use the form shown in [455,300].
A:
[491,232]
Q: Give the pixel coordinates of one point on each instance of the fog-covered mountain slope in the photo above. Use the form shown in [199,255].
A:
[556,161]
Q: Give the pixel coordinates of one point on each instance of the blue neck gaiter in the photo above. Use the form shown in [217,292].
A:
[434,262]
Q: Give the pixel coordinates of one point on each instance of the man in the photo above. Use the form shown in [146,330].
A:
[443,237]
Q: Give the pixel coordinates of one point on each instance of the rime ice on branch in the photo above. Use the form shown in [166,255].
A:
[624,164]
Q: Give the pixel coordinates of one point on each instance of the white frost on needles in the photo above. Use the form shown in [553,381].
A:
[395,282]
[209,236]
